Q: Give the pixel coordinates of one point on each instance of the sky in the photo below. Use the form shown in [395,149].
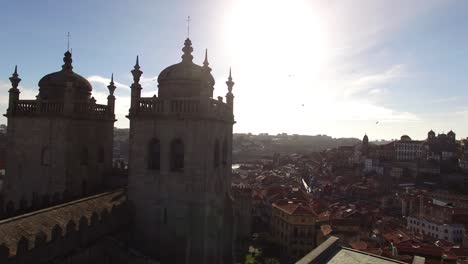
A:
[340,68]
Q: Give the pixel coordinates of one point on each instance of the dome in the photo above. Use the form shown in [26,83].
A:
[195,77]
[405,138]
[52,86]
[183,71]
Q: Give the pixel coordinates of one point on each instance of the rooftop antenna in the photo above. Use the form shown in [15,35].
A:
[188,26]
[68,41]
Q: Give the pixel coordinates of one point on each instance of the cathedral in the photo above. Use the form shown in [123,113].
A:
[177,207]
[59,144]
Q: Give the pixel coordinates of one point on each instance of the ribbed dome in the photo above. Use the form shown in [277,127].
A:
[194,77]
[183,71]
[52,86]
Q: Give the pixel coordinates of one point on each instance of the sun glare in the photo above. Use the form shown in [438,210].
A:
[281,48]
[287,33]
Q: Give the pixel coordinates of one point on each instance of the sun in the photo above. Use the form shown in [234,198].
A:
[279,50]
[287,33]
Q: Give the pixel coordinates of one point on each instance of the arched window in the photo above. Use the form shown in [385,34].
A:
[225,154]
[45,156]
[216,154]
[154,155]
[177,155]
[84,156]
[100,155]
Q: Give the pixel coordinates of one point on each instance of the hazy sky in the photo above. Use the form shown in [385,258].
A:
[306,67]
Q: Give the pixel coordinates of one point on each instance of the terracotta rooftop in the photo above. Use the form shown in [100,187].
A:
[326,230]
[29,225]
[295,209]
[396,237]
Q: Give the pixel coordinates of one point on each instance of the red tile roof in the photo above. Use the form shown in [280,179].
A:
[295,209]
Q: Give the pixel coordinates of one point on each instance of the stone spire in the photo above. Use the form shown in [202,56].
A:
[111,97]
[207,89]
[205,62]
[187,49]
[136,72]
[67,59]
[14,79]
[111,86]
[136,86]
[14,91]
[229,95]
[229,82]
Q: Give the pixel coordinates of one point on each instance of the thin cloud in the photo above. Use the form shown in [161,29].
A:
[372,81]
[96,79]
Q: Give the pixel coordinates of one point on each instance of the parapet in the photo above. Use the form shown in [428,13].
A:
[86,110]
[64,227]
[208,108]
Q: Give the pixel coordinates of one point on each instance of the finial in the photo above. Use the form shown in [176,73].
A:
[137,64]
[205,62]
[68,41]
[14,79]
[111,85]
[229,82]
[67,59]
[188,26]
[187,49]
[136,72]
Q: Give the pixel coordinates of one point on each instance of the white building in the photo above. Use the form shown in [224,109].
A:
[407,149]
[450,232]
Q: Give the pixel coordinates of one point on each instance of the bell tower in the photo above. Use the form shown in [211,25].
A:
[180,166]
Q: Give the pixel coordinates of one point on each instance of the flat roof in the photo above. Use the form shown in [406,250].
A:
[350,256]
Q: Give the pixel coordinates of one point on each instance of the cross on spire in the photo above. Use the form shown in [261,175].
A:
[68,41]
[188,26]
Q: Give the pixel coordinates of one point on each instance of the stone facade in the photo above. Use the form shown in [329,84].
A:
[180,166]
[60,144]
[178,207]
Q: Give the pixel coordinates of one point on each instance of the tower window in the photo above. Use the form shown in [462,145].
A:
[225,153]
[45,156]
[165,216]
[84,156]
[154,155]
[101,155]
[177,155]
[216,154]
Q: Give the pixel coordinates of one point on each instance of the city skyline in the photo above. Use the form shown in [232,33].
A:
[302,68]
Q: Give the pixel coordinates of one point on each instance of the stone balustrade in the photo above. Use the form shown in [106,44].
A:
[184,107]
[79,109]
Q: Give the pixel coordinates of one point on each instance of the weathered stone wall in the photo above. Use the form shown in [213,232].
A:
[85,241]
[29,183]
[181,214]
[24,173]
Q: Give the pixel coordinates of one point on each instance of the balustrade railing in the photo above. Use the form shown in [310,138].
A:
[26,106]
[150,105]
[189,106]
[42,107]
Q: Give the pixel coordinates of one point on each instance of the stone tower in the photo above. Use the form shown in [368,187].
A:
[59,144]
[365,145]
[180,165]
